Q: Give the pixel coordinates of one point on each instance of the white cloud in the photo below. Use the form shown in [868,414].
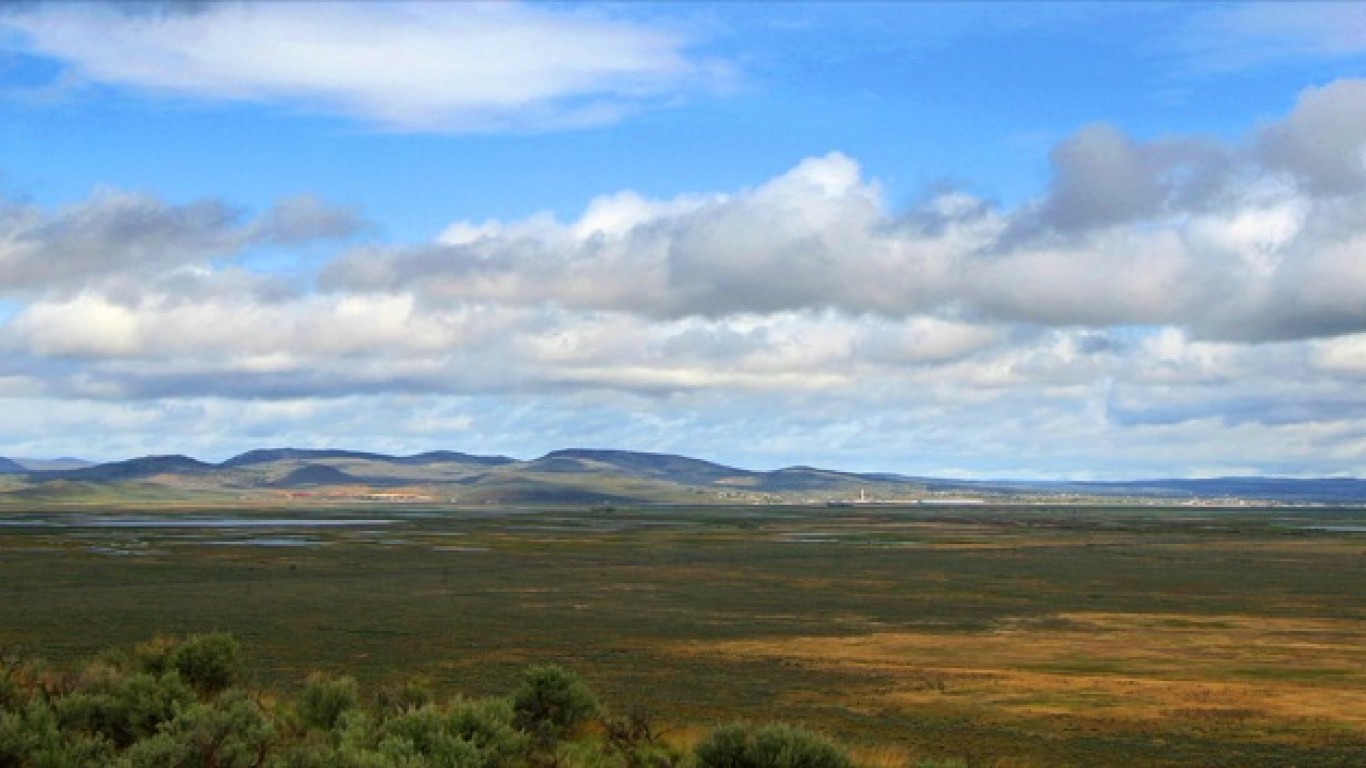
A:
[1179,305]
[1222,241]
[815,237]
[1344,356]
[119,237]
[410,66]
[1323,142]
[1103,177]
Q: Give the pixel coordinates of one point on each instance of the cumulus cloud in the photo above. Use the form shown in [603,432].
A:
[303,219]
[1323,142]
[815,237]
[1246,243]
[442,67]
[1155,293]
[1253,243]
[1103,177]
[128,236]
[112,232]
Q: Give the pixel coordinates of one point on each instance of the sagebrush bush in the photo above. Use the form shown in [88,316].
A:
[552,701]
[175,704]
[769,746]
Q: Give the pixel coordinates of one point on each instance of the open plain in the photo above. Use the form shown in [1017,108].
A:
[999,635]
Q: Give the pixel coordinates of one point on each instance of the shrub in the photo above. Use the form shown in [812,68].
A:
[488,725]
[33,736]
[410,695]
[171,705]
[14,738]
[230,732]
[325,699]
[632,737]
[154,656]
[551,702]
[727,746]
[771,746]
[423,736]
[146,702]
[207,663]
[786,746]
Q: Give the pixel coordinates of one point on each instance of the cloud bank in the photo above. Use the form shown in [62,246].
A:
[1162,300]
[1250,243]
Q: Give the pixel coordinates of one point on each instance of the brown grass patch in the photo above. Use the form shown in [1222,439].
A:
[1184,671]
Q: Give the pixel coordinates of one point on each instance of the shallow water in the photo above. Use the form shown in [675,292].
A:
[215,522]
[1335,528]
[266,541]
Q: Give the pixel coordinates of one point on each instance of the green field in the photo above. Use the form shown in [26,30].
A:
[1006,636]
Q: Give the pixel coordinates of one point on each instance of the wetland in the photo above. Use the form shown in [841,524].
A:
[997,635]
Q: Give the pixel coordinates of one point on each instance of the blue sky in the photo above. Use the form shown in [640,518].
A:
[999,240]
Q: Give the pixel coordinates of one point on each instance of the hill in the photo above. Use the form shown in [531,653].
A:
[314,475]
[677,469]
[271,455]
[600,476]
[131,469]
[452,457]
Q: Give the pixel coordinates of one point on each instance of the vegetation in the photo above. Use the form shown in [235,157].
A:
[999,637]
[141,710]
[551,703]
[771,746]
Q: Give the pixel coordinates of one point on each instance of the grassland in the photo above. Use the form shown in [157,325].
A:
[1008,636]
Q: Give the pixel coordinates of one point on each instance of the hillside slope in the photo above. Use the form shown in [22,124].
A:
[597,476]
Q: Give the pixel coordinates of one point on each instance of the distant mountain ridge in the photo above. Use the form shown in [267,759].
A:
[585,475]
[264,456]
[131,469]
[665,465]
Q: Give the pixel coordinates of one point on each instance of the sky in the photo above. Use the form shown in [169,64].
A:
[979,240]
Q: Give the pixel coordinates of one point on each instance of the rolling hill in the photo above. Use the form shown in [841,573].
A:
[131,469]
[595,476]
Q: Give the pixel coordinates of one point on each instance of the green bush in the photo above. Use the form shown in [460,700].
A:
[325,699]
[147,702]
[33,736]
[15,736]
[727,746]
[207,663]
[350,744]
[551,702]
[154,656]
[770,746]
[108,705]
[172,704]
[488,725]
[412,694]
[424,736]
[229,732]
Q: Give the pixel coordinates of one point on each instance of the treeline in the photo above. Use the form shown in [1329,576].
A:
[180,703]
